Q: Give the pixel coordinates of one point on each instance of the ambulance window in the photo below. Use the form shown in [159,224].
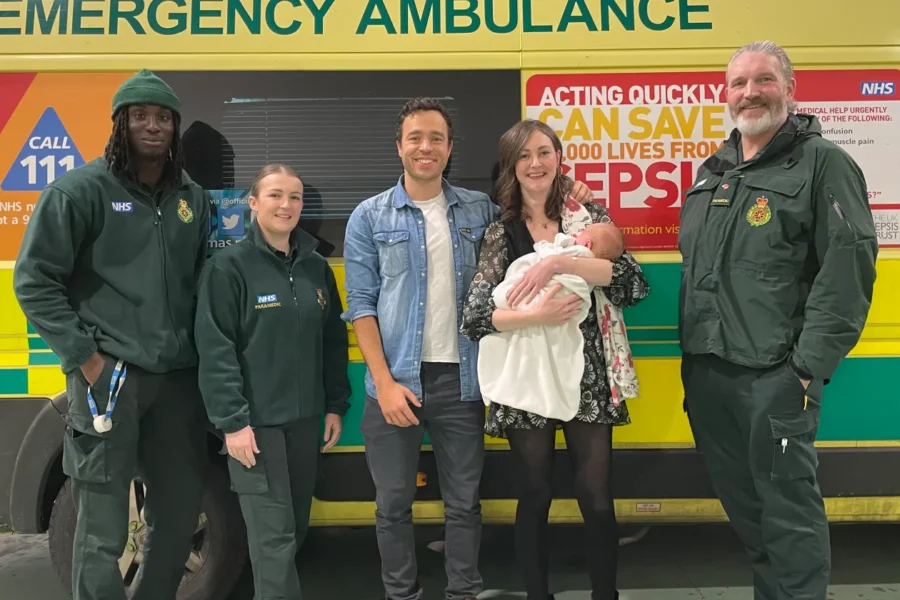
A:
[336,128]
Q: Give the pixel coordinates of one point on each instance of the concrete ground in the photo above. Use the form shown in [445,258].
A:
[670,563]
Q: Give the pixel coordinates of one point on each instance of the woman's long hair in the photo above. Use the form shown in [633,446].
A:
[509,192]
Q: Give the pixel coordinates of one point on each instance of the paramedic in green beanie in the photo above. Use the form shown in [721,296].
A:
[779,250]
[107,275]
[273,360]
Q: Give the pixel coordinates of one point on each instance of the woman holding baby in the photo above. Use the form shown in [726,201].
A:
[531,192]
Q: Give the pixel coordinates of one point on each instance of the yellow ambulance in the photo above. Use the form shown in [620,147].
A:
[635,89]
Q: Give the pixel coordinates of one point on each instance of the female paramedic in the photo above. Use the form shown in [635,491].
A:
[273,358]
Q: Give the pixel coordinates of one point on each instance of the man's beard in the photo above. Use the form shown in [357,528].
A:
[775,114]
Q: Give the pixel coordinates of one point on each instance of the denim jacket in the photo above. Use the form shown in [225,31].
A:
[386,276]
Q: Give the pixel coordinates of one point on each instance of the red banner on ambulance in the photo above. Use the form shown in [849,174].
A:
[637,139]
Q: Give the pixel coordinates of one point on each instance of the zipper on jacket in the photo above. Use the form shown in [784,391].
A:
[840,213]
[837,207]
[293,291]
[290,270]
[162,252]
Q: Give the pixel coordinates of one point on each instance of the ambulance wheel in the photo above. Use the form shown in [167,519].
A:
[219,549]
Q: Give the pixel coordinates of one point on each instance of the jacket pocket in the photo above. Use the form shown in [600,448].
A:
[78,410]
[100,388]
[470,238]
[775,216]
[793,443]
[393,252]
[248,481]
[807,396]
[84,454]
[759,309]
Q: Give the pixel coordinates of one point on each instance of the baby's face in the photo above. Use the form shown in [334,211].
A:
[583,238]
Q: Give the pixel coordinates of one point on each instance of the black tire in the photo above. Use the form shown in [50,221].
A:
[61,534]
[222,546]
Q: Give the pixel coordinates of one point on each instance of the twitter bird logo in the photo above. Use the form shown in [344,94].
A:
[231,221]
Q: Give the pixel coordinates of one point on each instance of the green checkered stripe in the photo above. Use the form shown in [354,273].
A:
[15,381]
[651,328]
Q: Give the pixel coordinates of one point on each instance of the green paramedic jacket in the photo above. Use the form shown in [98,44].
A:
[107,265]
[273,348]
[778,254]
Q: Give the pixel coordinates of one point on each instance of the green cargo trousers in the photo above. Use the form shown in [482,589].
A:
[756,429]
[275,496]
[158,433]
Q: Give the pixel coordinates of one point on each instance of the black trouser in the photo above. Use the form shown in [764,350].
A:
[456,429]
[275,496]
[590,450]
[158,432]
[756,430]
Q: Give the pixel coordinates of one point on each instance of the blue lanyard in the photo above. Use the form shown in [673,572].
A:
[103,423]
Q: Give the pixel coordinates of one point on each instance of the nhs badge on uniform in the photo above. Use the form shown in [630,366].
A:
[267,301]
[123,207]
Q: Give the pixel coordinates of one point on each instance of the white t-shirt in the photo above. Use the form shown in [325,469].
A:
[439,342]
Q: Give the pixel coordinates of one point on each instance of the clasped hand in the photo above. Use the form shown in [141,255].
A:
[553,310]
[532,282]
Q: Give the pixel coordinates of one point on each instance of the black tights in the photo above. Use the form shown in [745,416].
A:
[590,449]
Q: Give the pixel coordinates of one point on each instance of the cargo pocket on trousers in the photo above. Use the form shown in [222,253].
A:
[84,456]
[248,481]
[793,439]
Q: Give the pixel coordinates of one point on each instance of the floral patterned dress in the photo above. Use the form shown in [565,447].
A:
[504,243]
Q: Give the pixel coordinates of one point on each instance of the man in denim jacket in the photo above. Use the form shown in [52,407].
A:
[410,255]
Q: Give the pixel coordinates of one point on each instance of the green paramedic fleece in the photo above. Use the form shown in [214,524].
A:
[273,348]
[106,265]
[778,254]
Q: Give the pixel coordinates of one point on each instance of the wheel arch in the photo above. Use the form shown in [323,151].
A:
[37,475]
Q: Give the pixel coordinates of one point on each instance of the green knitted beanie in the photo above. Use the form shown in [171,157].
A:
[146,88]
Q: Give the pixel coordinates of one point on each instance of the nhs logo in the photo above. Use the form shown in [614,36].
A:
[877,88]
[267,299]
[123,207]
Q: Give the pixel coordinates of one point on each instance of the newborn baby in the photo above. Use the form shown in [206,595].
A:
[603,240]
[539,368]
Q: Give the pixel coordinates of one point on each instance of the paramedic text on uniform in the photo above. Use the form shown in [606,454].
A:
[273,358]
[107,272]
[779,252]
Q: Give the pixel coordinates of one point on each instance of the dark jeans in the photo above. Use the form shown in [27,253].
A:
[590,450]
[456,431]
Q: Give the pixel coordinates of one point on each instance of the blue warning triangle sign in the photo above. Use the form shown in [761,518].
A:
[46,154]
